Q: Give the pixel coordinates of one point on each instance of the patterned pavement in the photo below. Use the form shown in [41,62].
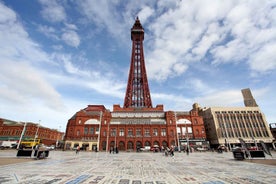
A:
[136,168]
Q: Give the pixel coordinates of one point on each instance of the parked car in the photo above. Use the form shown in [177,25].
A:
[7,144]
[52,147]
[201,149]
[146,148]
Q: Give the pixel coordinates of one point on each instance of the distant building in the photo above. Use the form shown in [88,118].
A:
[137,124]
[272,127]
[225,125]
[249,100]
[12,130]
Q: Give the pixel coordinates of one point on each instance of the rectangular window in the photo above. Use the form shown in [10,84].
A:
[130,132]
[163,132]
[113,132]
[155,132]
[91,130]
[147,132]
[138,132]
[172,133]
[85,130]
[122,132]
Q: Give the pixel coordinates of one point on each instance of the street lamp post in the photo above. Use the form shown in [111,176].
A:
[36,134]
[228,144]
[98,143]
[107,139]
[22,134]
[187,137]
[177,138]
[115,138]
[58,136]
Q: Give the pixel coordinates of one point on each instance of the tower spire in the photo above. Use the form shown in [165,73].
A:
[137,92]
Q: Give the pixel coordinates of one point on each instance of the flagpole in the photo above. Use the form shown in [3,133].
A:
[107,139]
[98,142]
[177,138]
[36,135]
[22,134]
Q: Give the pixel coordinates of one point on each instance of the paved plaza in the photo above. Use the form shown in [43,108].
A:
[135,168]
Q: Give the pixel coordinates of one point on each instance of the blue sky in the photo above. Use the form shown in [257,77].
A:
[58,56]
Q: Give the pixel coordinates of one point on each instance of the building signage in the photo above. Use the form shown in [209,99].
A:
[138,122]
[192,140]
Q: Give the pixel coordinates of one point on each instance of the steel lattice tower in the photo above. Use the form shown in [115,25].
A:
[137,92]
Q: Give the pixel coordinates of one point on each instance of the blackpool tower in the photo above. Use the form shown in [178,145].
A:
[137,92]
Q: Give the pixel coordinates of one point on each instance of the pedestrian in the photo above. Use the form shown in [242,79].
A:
[187,150]
[172,151]
[167,150]
[78,149]
[166,153]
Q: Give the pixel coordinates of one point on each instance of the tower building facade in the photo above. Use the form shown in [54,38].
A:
[137,124]
[137,92]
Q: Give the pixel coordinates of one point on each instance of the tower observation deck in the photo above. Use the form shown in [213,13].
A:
[137,92]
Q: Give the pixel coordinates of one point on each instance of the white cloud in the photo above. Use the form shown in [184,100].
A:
[145,13]
[71,38]
[221,98]
[106,16]
[15,43]
[197,85]
[6,15]
[205,44]
[52,11]
[264,59]
[27,85]
[233,51]
[230,31]
[48,31]
[71,26]
[18,77]
[55,13]
[68,35]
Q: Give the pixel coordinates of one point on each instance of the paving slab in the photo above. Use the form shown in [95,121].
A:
[67,167]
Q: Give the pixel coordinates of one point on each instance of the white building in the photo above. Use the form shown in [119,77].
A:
[225,125]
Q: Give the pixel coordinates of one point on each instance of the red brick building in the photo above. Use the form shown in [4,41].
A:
[12,130]
[136,124]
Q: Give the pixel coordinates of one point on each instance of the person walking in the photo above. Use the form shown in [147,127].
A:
[172,151]
[78,149]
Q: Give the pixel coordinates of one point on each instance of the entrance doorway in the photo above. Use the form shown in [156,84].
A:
[94,147]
